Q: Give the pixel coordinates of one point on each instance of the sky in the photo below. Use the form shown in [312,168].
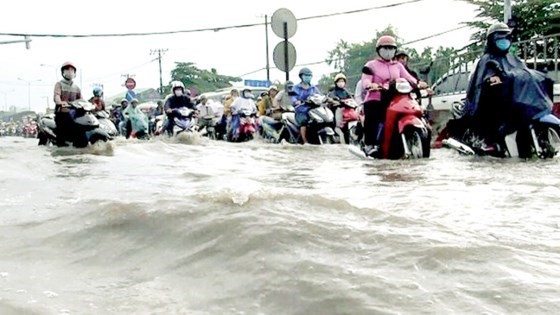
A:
[27,76]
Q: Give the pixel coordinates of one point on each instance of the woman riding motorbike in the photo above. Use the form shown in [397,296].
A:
[375,75]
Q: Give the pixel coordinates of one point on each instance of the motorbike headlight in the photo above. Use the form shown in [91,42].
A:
[403,86]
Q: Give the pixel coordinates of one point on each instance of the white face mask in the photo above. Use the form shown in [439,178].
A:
[178,92]
[387,53]
[68,74]
[341,84]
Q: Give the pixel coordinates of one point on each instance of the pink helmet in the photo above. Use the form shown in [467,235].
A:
[68,64]
[386,40]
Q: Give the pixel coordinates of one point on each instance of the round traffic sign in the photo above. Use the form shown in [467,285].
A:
[279,58]
[130,83]
[280,17]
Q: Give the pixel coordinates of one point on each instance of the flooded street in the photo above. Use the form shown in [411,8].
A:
[255,228]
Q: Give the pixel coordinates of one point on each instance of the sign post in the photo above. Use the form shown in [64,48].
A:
[284,25]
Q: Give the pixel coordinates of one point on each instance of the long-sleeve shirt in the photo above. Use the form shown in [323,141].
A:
[383,72]
[302,94]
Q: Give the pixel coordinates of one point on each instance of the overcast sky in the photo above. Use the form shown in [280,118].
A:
[232,52]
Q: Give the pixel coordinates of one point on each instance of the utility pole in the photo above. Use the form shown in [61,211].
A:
[266,37]
[507,11]
[159,52]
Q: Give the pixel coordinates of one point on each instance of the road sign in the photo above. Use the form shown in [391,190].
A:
[279,57]
[130,83]
[257,83]
[280,17]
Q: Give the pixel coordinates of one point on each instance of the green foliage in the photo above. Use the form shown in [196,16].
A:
[351,58]
[200,79]
[530,18]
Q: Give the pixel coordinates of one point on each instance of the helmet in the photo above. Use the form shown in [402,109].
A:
[67,64]
[98,91]
[134,100]
[273,87]
[498,28]
[340,76]
[386,40]
[401,54]
[246,93]
[305,71]
[176,85]
[124,100]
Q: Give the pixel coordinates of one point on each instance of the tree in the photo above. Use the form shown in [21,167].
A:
[530,18]
[351,58]
[200,79]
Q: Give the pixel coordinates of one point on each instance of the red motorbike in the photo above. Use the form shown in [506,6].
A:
[406,134]
[30,130]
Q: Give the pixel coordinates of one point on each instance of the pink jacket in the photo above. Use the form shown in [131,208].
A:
[383,72]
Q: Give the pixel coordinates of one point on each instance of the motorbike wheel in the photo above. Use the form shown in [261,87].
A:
[415,143]
[43,139]
[326,139]
[549,140]
[96,138]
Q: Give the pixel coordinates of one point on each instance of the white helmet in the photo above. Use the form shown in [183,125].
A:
[177,84]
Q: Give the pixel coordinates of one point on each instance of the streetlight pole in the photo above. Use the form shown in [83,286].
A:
[6,98]
[29,91]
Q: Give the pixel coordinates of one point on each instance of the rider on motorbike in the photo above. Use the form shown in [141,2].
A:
[65,91]
[302,92]
[177,100]
[245,102]
[375,75]
[97,99]
[338,94]
[503,93]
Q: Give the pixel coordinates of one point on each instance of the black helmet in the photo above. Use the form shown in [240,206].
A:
[498,28]
[305,71]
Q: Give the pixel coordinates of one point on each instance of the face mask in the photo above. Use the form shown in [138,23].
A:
[387,53]
[341,84]
[178,92]
[68,74]
[503,44]
[306,79]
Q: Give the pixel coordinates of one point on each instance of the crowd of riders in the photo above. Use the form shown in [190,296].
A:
[227,114]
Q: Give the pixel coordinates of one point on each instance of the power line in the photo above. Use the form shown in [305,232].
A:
[338,59]
[214,29]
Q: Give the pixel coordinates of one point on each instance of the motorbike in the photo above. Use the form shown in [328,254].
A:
[106,124]
[140,126]
[283,129]
[86,128]
[348,132]
[246,126]
[405,134]
[30,130]
[540,138]
[184,121]
[321,121]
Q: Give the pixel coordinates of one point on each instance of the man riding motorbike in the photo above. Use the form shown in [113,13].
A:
[376,74]
[503,94]
[303,91]
[65,91]
[177,100]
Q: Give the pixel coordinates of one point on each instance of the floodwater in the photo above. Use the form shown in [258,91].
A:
[159,227]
